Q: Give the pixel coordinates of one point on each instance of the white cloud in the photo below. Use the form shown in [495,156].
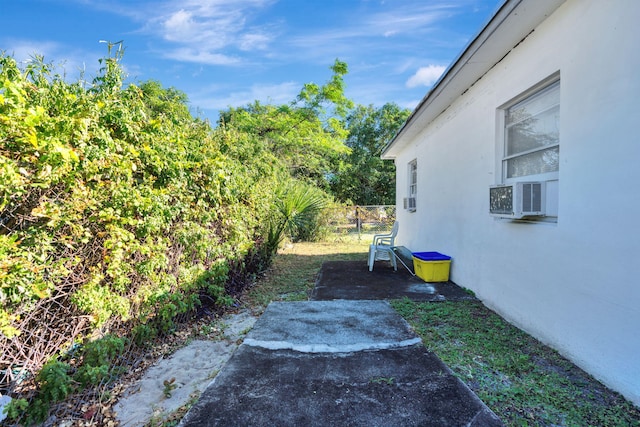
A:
[426,76]
[206,31]
[24,50]
[405,65]
[254,41]
[381,31]
[281,93]
[188,54]
[180,26]
[370,26]
[406,20]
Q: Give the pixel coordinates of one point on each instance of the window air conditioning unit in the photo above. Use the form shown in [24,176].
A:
[517,200]
[410,203]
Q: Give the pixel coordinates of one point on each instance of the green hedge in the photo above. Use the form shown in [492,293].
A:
[116,205]
[120,212]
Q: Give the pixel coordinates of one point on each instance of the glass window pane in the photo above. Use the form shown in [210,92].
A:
[534,132]
[413,178]
[534,163]
[534,122]
[534,104]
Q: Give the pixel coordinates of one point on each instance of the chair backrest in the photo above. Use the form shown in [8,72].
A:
[387,239]
[394,229]
[394,233]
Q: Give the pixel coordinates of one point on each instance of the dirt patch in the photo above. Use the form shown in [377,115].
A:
[178,379]
[352,280]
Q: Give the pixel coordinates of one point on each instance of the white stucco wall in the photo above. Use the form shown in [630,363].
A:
[574,284]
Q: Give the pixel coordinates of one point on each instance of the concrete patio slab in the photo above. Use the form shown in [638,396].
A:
[352,280]
[331,327]
[339,363]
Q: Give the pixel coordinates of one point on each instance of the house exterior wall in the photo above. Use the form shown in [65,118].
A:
[574,283]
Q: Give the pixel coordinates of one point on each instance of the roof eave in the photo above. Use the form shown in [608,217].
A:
[513,21]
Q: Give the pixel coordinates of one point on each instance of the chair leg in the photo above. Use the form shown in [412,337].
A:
[372,256]
[392,255]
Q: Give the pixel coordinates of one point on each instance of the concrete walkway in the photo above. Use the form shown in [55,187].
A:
[338,363]
[352,280]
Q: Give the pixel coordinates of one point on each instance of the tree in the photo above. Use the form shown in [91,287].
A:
[363,177]
[307,135]
[170,103]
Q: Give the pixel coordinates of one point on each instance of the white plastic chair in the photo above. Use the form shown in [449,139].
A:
[382,248]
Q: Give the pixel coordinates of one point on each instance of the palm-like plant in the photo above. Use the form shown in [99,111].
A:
[296,212]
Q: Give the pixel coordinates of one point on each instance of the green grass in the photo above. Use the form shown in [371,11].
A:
[294,271]
[523,381]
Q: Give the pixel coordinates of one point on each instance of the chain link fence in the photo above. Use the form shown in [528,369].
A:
[360,221]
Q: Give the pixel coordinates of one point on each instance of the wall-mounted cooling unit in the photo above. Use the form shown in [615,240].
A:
[410,203]
[517,200]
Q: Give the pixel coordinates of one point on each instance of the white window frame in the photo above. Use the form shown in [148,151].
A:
[549,84]
[551,177]
[412,183]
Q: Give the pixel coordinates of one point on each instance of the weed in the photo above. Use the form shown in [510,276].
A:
[105,396]
[92,374]
[211,331]
[55,384]
[98,358]
[174,418]
[16,408]
[206,330]
[169,386]
[143,334]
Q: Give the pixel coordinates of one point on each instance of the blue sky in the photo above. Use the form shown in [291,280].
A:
[225,53]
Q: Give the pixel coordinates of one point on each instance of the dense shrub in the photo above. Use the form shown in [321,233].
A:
[120,212]
[116,205]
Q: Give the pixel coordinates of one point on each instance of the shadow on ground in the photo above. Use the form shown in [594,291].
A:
[352,280]
[336,363]
[346,358]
